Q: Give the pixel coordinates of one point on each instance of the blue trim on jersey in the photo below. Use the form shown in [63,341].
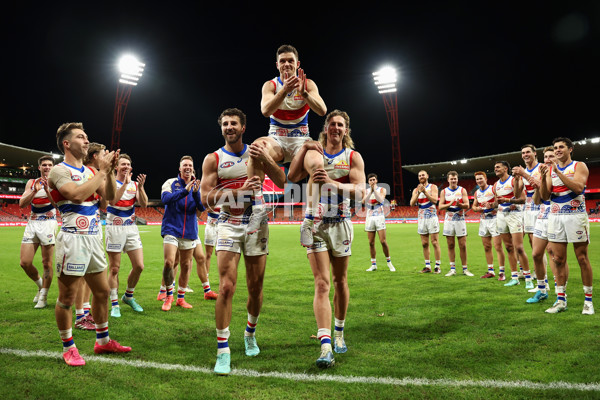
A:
[333,155]
[120,213]
[563,198]
[562,169]
[531,170]
[75,168]
[426,205]
[41,210]
[303,122]
[235,154]
[79,209]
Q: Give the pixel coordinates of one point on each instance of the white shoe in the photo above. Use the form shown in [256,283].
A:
[588,308]
[189,290]
[372,268]
[451,273]
[467,272]
[557,307]
[42,303]
[37,296]
[306,232]
[391,267]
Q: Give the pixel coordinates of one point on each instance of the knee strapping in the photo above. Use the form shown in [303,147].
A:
[61,305]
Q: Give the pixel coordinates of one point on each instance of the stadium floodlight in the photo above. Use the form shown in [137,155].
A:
[463,161]
[385,80]
[595,140]
[131,70]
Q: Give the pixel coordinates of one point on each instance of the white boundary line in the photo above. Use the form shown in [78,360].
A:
[588,387]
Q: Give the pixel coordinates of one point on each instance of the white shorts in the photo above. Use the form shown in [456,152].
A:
[121,238]
[427,226]
[565,228]
[509,222]
[375,223]
[541,228]
[232,236]
[42,232]
[78,255]
[487,227]
[289,145]
[529,220]
[210,233]
[180,243]
[333,236]
[455,228]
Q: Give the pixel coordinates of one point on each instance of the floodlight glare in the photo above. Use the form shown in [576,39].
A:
[595,140]
[385,79]
[131,70]
[463,161]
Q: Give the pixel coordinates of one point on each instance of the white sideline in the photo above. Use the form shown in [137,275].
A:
[588,387]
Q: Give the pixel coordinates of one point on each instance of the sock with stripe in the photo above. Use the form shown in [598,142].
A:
[374,262]
[587,291]
[163,289]
[206,286]
[86,308]
[453,266]
[324,336]
[223,341]
[491,269]
[428,264]
[114,297]
[129,292]
[560,294]
[180,293]
[79,314]
[251,325]
[170,289]
[541,284]
[102,333]
[67,339]
[339,328]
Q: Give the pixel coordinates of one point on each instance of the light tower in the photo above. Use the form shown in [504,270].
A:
[131,71]
[385,80]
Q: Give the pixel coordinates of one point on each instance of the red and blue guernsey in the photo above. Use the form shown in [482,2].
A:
[336,206]
[41,206]
[81,218]
[562,199]
[180,218]
[529,189]
[291,119]
[483,197]
[123,212]
[232,174]
[454,213]
[506,189]
[426,208]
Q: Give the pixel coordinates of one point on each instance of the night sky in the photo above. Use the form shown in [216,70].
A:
[477,78]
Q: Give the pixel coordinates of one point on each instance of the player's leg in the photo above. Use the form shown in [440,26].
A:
[257,168]
[486,241]
[227,263]
[26,261]
[114,265]
[67,289]
[255,273]
[518,243]
[437,251]
[319,264]
[202,271]
[98,283]
[208,252]
[512,259]
[497,243]
[426,253]
[462,251]
[451,244]
[581,253]
[372,251]
[186,260]
[137,267]
[538,250]
[382,233]
[313,160]
[559,252]
[170,252]
[47,256]
[341,298]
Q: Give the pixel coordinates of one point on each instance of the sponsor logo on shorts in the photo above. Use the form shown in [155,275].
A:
[225,243]
[114,246]
[75,267]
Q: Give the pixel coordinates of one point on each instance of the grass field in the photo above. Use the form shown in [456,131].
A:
[409,335]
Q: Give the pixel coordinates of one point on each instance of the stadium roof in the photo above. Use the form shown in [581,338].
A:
[587,152]
[18,157]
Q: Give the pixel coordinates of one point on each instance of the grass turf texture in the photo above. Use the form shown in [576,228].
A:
[401,325]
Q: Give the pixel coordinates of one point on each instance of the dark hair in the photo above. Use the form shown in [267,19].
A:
[371,175]
[64,131]
[233,112]
[453,173]
[528,145]
[45,158]
[566,140]
[286,48]
[505,163]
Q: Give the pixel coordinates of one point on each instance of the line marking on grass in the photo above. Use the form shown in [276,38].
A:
[491,383]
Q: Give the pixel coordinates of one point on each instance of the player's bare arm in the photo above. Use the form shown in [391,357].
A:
[32,187]
[577,183]
[310,93]
[141,195]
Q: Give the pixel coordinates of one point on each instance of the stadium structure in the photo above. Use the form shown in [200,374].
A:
[19,164]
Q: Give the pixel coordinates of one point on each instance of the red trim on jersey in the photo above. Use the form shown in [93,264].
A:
[288,115]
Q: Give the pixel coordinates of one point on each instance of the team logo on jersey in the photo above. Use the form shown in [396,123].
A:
[82,222]
[227,164]
[342,165]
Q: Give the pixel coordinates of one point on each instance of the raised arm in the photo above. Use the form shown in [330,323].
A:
[31,188]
